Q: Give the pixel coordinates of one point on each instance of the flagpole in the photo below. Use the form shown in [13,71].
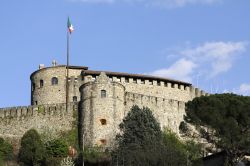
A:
[80,114]
[67,74]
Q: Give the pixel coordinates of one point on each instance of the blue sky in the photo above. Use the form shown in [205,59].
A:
[205,42]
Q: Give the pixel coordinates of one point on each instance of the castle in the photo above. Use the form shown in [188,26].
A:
[104,97]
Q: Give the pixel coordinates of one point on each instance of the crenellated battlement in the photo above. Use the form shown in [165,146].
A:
[52,118]
[140,81]
[194,92]
[141,98]
[36,110]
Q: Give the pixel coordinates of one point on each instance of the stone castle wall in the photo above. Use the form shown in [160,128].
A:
[102,114]
[166,102]
[50,94]
[15,121]
[168,112]
[162,89]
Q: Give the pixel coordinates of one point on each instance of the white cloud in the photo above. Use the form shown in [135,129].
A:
[207,60]
[182,70]
[159,3]
[244,89]
[219,55]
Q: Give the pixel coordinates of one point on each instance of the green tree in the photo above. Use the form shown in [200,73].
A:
[32,151]
[56,148]
[6,151]
[194,152]
[181,153]
[142,143]
[176,153]
[224,120]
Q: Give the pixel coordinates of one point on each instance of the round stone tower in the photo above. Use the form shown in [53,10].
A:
[102,102]
[48,84]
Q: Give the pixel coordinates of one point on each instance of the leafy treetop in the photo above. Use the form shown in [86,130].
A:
[224,120]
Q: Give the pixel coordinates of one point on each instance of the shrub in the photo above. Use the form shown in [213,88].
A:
[56,148]
[6,150]
[32,151]
[95,155]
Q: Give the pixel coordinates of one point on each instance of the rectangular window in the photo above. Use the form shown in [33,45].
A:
[41,83]
[103,93]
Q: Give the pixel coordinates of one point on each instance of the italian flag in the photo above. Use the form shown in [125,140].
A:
[70,27]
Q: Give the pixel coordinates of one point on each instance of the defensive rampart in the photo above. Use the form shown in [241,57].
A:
[168,112]
[106,100]
[15,121]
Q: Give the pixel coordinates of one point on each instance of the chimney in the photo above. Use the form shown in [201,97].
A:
[54,63]
[41,66]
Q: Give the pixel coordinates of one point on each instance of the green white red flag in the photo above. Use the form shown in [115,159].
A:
[70,26]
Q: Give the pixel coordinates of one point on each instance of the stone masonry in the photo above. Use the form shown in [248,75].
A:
[104,98]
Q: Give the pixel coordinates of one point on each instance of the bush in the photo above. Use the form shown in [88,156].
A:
[32,151]
[188,150]
[175,149]
[95,155]
[56,148]
[6,151]
[71,137]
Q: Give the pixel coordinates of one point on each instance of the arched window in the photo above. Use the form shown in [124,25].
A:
[74,98]
[54,81]
[103,94]
[41,83]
